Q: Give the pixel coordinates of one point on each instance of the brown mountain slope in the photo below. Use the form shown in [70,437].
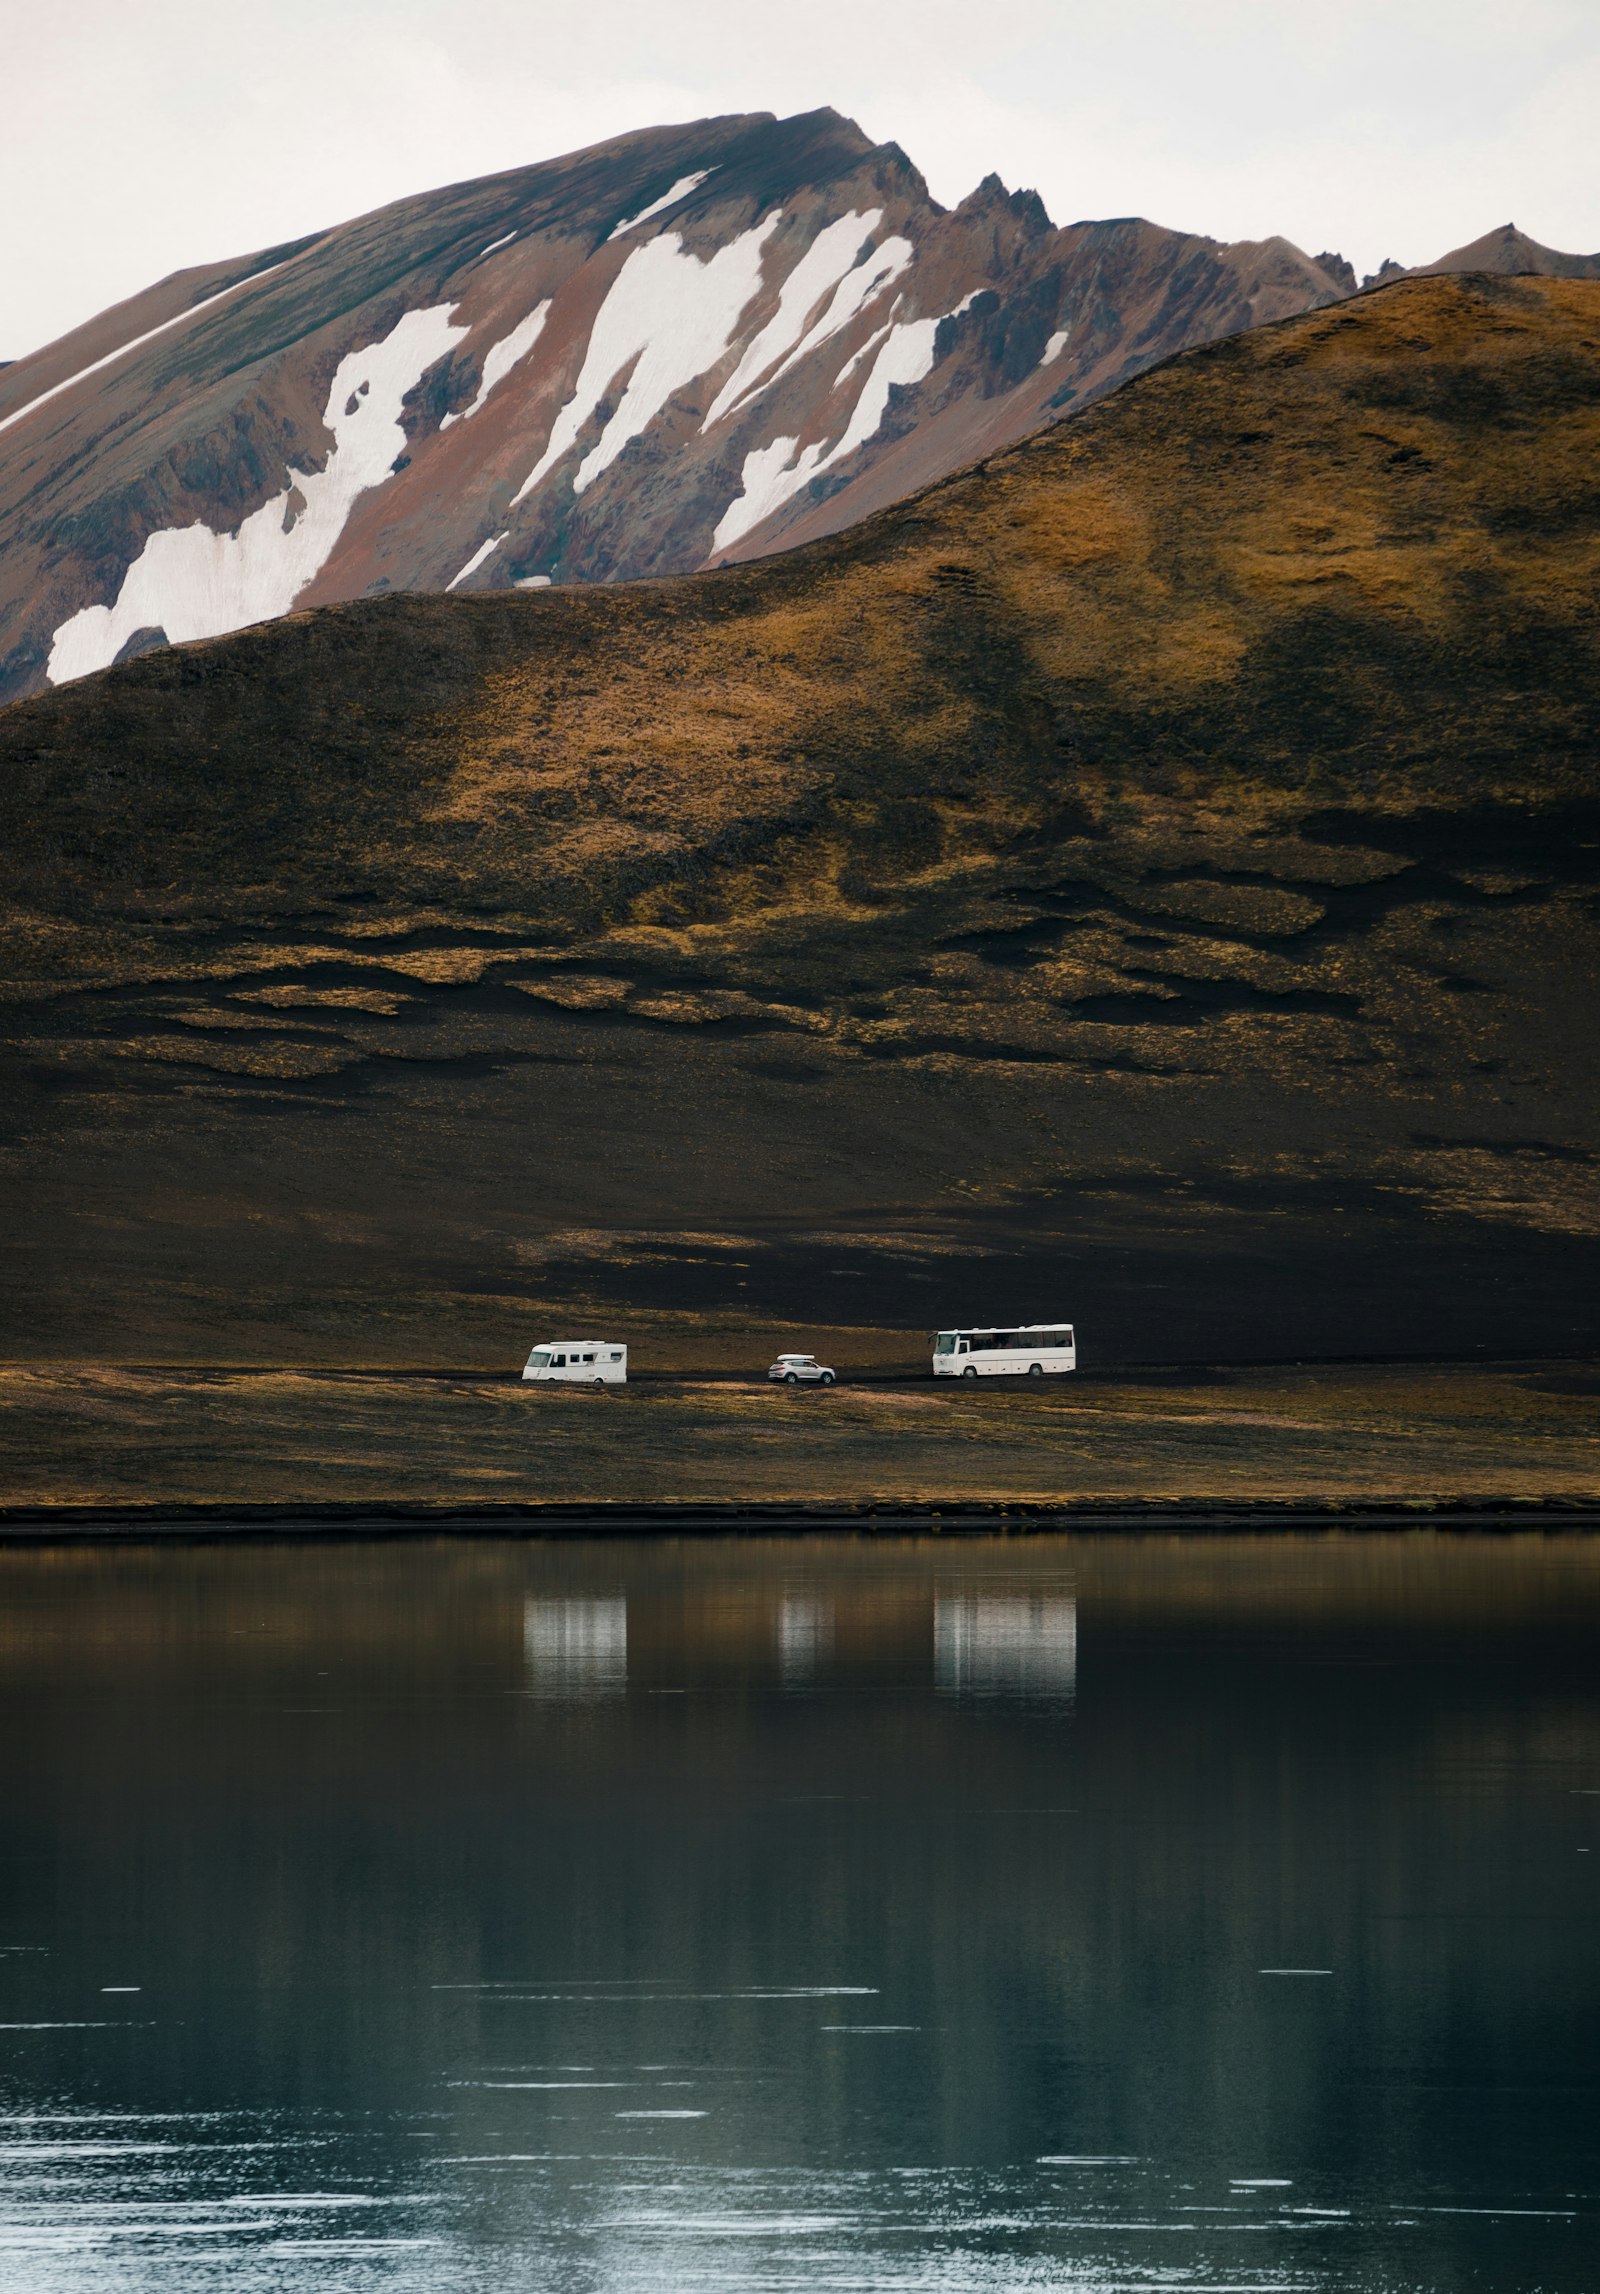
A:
[1151,877]
[1512,253]
[630,360]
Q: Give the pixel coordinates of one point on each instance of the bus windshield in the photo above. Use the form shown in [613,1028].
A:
[945,1342]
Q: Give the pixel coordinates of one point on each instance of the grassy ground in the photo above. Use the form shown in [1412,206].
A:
[1150,877]
[1412,1434]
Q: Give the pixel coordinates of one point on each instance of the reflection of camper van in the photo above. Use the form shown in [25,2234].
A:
[578,1362]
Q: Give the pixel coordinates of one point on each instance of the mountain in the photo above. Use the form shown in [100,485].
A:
[1507,253]
[1152,876]
[681,346]
[1512,253]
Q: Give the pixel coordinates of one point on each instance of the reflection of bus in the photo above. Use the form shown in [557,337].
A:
[578,1361]
[1026,1350]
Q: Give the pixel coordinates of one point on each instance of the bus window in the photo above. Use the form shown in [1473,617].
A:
[945,1342]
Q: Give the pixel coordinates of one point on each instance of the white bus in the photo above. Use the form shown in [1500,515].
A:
[577,1362]
[1026,1350]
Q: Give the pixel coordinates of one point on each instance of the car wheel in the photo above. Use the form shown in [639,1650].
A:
[969,1372]
[1035,1369]
[791,1377]
[826,1378]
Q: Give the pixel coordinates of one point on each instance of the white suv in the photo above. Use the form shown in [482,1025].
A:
[801,1370]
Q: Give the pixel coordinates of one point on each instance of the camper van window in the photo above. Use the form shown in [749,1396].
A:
[539,1360]
[560,1362]
[616,1353]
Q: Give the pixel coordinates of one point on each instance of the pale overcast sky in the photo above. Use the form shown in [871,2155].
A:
[137,139]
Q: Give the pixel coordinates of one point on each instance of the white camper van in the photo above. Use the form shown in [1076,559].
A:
[578,1362]
[1026,1350]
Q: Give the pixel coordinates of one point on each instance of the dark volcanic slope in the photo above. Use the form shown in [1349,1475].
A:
[1152,876]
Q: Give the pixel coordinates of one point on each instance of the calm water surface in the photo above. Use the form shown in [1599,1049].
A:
[1123,1913]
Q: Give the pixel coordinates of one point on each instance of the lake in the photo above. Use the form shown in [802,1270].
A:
[826,1913]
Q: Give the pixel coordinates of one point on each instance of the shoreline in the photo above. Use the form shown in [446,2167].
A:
[959,1517]
[118,1453]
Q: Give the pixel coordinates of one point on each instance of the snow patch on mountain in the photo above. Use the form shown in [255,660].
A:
[906,357]
[138,342]
[680,190]
[502,357]
[772,474]
[831,254]
[193,583]
[484,550]
[872,277]
[671,318]
[1055,346]
[867,348]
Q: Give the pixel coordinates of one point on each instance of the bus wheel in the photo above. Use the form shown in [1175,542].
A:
[970,1371]
[1035,1369]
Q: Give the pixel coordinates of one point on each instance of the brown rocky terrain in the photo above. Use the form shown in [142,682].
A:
[1151,876]
[677,346]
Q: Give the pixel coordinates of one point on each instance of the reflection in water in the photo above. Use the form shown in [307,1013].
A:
[494,1931]
[805,1636]
[577,1648]
[1001,1645]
